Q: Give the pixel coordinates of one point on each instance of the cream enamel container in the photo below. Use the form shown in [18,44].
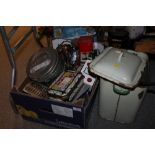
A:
[120,72]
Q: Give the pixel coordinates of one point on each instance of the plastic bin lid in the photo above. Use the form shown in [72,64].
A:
[123,67]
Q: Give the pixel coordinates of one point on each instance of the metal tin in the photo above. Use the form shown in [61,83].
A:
[45,65]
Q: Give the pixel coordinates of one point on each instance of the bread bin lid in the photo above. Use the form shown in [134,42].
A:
[123,67]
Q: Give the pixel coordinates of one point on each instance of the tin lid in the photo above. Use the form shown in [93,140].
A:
[124,67]
[42,64]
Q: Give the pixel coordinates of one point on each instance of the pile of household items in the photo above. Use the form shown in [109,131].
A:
[62,78]
[61,72]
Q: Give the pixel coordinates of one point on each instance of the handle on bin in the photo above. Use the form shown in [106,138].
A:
[121,91]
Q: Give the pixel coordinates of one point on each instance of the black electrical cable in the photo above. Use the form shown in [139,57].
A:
[146,81]
[147,84]
[151,91]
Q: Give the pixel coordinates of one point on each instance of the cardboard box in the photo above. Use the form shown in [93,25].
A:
[53,112]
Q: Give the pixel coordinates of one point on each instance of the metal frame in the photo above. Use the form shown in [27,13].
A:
[11,51]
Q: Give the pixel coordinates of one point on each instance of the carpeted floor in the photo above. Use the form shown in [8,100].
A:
[8,119]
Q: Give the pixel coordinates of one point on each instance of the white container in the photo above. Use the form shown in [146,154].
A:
[120,72]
